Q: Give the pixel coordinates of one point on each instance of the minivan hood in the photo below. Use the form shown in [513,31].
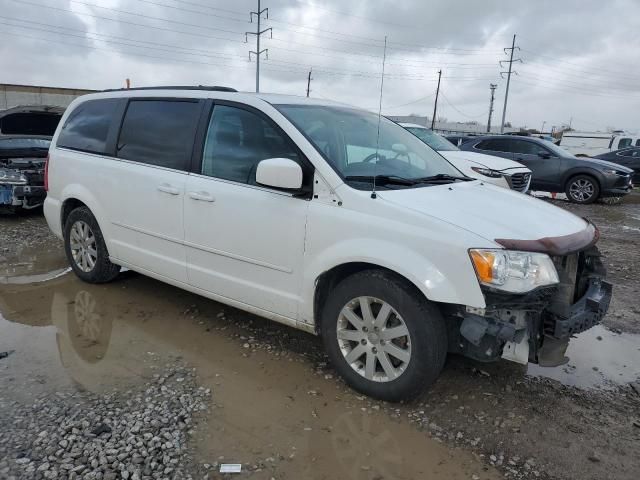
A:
[488,211]
[487,161]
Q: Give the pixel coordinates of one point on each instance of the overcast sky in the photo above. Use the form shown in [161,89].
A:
[581,58]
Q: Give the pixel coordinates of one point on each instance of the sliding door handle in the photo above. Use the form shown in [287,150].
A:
[166,188]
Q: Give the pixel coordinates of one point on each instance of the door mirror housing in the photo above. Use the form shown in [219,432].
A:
[281,173]
[543,154]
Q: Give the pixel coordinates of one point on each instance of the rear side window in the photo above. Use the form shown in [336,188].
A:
[526,148]
[159,132]
[495,145]
[87,127]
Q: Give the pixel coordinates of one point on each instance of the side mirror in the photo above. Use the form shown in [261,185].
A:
[279,173]
[543,154]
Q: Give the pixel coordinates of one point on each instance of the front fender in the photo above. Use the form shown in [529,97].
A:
[452,280]
[572,172]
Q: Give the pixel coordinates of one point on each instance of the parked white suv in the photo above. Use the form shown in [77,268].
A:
[488,168]
[268,203]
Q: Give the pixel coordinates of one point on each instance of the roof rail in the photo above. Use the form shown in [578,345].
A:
[177,87]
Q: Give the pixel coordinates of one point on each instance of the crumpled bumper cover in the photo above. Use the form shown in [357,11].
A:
[585,313]
[17,195]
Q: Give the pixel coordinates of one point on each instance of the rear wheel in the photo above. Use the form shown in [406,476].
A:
[85,248]
[383,337]
[582,189]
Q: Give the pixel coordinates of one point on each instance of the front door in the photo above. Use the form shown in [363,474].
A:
[244,242]
[543,163]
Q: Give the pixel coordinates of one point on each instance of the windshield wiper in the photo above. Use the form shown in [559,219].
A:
[442,177]
[382,179]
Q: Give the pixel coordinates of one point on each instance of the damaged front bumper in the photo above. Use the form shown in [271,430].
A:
[536,327]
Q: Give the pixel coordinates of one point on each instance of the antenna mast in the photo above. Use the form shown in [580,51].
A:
[384,59]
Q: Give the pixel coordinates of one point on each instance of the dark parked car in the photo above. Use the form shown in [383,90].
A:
[25,135]
[584,180]
[627,157]
[22,162]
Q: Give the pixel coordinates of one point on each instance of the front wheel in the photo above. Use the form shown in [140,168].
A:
[582,189]
[382,336]
[85,248]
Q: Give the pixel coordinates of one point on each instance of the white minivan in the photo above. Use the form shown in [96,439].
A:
[326,218]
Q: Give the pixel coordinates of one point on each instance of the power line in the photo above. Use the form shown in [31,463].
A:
[458,110]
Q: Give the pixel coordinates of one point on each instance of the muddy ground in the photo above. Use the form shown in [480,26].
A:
[276,407]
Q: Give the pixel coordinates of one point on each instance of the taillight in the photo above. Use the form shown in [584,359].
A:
[46,174]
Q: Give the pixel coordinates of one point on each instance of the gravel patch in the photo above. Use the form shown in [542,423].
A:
[136,434]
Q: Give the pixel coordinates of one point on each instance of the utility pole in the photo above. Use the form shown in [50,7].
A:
[258,33]
[509,72]
[543,124]
[435,105]
[309,82]
[493,87]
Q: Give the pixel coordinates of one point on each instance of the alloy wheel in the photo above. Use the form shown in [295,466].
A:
[582,190]
[374,339]
[83,246]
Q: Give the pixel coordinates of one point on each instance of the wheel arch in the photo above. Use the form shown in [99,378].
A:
[574,172]
[330,278]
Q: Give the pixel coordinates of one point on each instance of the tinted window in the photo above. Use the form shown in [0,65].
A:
[630,153]
[159,132]
[237,140]
[20,143]
[638,143]
[624,142]
[495,144]
[526,148]
[87,128]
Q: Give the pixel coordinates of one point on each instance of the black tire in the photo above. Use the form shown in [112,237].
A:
[582,189]
[427,334]
[103,270]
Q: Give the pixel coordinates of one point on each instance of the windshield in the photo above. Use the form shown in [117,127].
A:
[348,139]
[23,143]
[434,140]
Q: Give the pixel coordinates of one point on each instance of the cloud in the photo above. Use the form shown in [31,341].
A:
[580,60]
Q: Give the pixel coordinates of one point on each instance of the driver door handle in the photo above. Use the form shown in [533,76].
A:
[202,196]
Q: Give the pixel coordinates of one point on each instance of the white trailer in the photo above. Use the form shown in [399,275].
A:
[590,143]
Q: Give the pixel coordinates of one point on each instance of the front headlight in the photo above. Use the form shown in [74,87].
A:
[513,271]
[487,172]
[12,177]
[611,171]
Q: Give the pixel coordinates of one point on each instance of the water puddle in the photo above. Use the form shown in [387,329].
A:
[32,265]
[270,406]
[598,358]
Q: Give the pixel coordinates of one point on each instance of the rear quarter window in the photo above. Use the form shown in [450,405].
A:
[87,128]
